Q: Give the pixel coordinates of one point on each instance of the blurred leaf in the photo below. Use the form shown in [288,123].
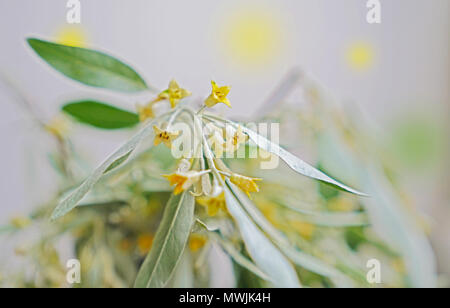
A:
[332,219]
[417,142]
[354,237]
[89,67]
[397,227]
[389,218]
[239,258]
[162,156]
[169,243]
[72,200]
[101,115]
[246,279]
[7,229]
[155,185]
[260,248]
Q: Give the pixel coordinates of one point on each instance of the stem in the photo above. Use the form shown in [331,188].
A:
[224,173]
[206,149]
[200,111]
[152,102]
[209,157]
[173,117]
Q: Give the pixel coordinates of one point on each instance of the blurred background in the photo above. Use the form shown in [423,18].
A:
[395,72]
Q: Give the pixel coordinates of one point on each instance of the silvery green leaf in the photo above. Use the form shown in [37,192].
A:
[290,159]
[118,162]
[331,219]
[221,268]
[260,248]
[169,243]
[228,247]
[184,273]
[239,258]
[75,196]
[155,185]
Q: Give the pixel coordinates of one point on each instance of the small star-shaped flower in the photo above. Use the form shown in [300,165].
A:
[218,95]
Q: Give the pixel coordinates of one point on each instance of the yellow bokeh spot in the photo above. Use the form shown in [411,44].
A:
[197,241]
[360,56]
[306,230]
[342,204]
[72,35]
[252,37]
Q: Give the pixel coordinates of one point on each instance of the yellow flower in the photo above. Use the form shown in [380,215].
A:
[197,241]
[245,183]
[235,139]
[184,180]
[144,242]
[145,112]
[213,204]
[164,136]
[174,93]
[218,95]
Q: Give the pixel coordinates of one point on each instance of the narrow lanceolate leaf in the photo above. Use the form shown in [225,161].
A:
[170,241]
[72,200]
[260,248]
[296,163]
[240,259]
[101,115]
[300,258]
[89,67]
